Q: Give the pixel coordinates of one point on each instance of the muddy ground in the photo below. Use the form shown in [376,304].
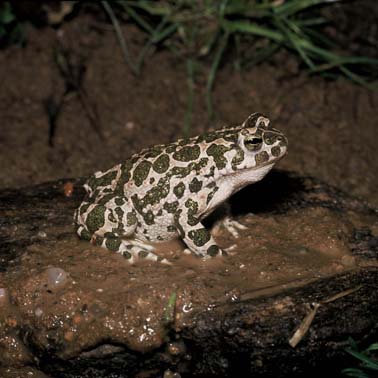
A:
[331,125]
[74,310]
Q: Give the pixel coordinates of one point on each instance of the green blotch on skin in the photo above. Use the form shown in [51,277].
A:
[112,218]
[227,134]
[217,152]
[153,152]
[181,172]
[211,194]
[119,212]
[276,151]
[195,185]
[105,180]
[261,157]
[171,228]
[200,237]
[119,201]
[171,207]
[113,244]
[192,211]
[131,218]
[85,235]
[179,190]
[141,172]
[191,205]
[142,254]
[84,208]
[96,218]
[211,172]
[171,148]
[107,197]
[149,218]
[269,137]
[213,250]
[125,175]
[238,158]
[137,203]
[161,164]
[126,255]
[208,137]
[156,193]
[187,153]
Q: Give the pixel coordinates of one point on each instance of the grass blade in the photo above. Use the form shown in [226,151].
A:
[356,373]
[372,347]
[213,70]
[366,360]
[290,8]
[120,37]
[170,308]
[294,40]
[251,28]
[135,16]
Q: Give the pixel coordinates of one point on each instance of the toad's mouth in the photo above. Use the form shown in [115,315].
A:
[262,166]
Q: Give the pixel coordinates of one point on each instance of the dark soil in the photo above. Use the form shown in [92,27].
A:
[331,125]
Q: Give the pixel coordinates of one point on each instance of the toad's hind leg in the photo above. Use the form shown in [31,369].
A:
[107,224]
[130,249]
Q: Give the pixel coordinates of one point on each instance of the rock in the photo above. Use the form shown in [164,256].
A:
[82,311]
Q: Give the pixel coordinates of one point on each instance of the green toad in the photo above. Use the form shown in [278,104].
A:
[165,191]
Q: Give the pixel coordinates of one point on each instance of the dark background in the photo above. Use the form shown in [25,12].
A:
[71,105]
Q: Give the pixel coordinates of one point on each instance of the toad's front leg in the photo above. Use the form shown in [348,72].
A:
[196,236]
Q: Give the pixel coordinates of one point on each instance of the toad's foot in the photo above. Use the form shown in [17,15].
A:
[233,227]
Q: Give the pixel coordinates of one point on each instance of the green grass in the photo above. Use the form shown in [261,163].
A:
[368,365]
[169,314]
[205,31]
[10,28]
[205,34]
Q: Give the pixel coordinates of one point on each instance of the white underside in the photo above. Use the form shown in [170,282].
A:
[230,184]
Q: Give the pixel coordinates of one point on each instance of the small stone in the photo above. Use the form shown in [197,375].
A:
[176,348]
[129,126]
[303,251]
[77,319]
[56,277]
[42,234]
[38,312]
[170,374]
[4,296]
[348,261]
[68,336]
[12,322]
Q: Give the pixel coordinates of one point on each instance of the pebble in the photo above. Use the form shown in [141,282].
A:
[56,277]
[4,295]
[38,312]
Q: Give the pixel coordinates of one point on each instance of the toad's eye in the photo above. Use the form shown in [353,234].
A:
[253,143]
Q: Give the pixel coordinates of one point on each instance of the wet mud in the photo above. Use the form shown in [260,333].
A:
[62,298]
